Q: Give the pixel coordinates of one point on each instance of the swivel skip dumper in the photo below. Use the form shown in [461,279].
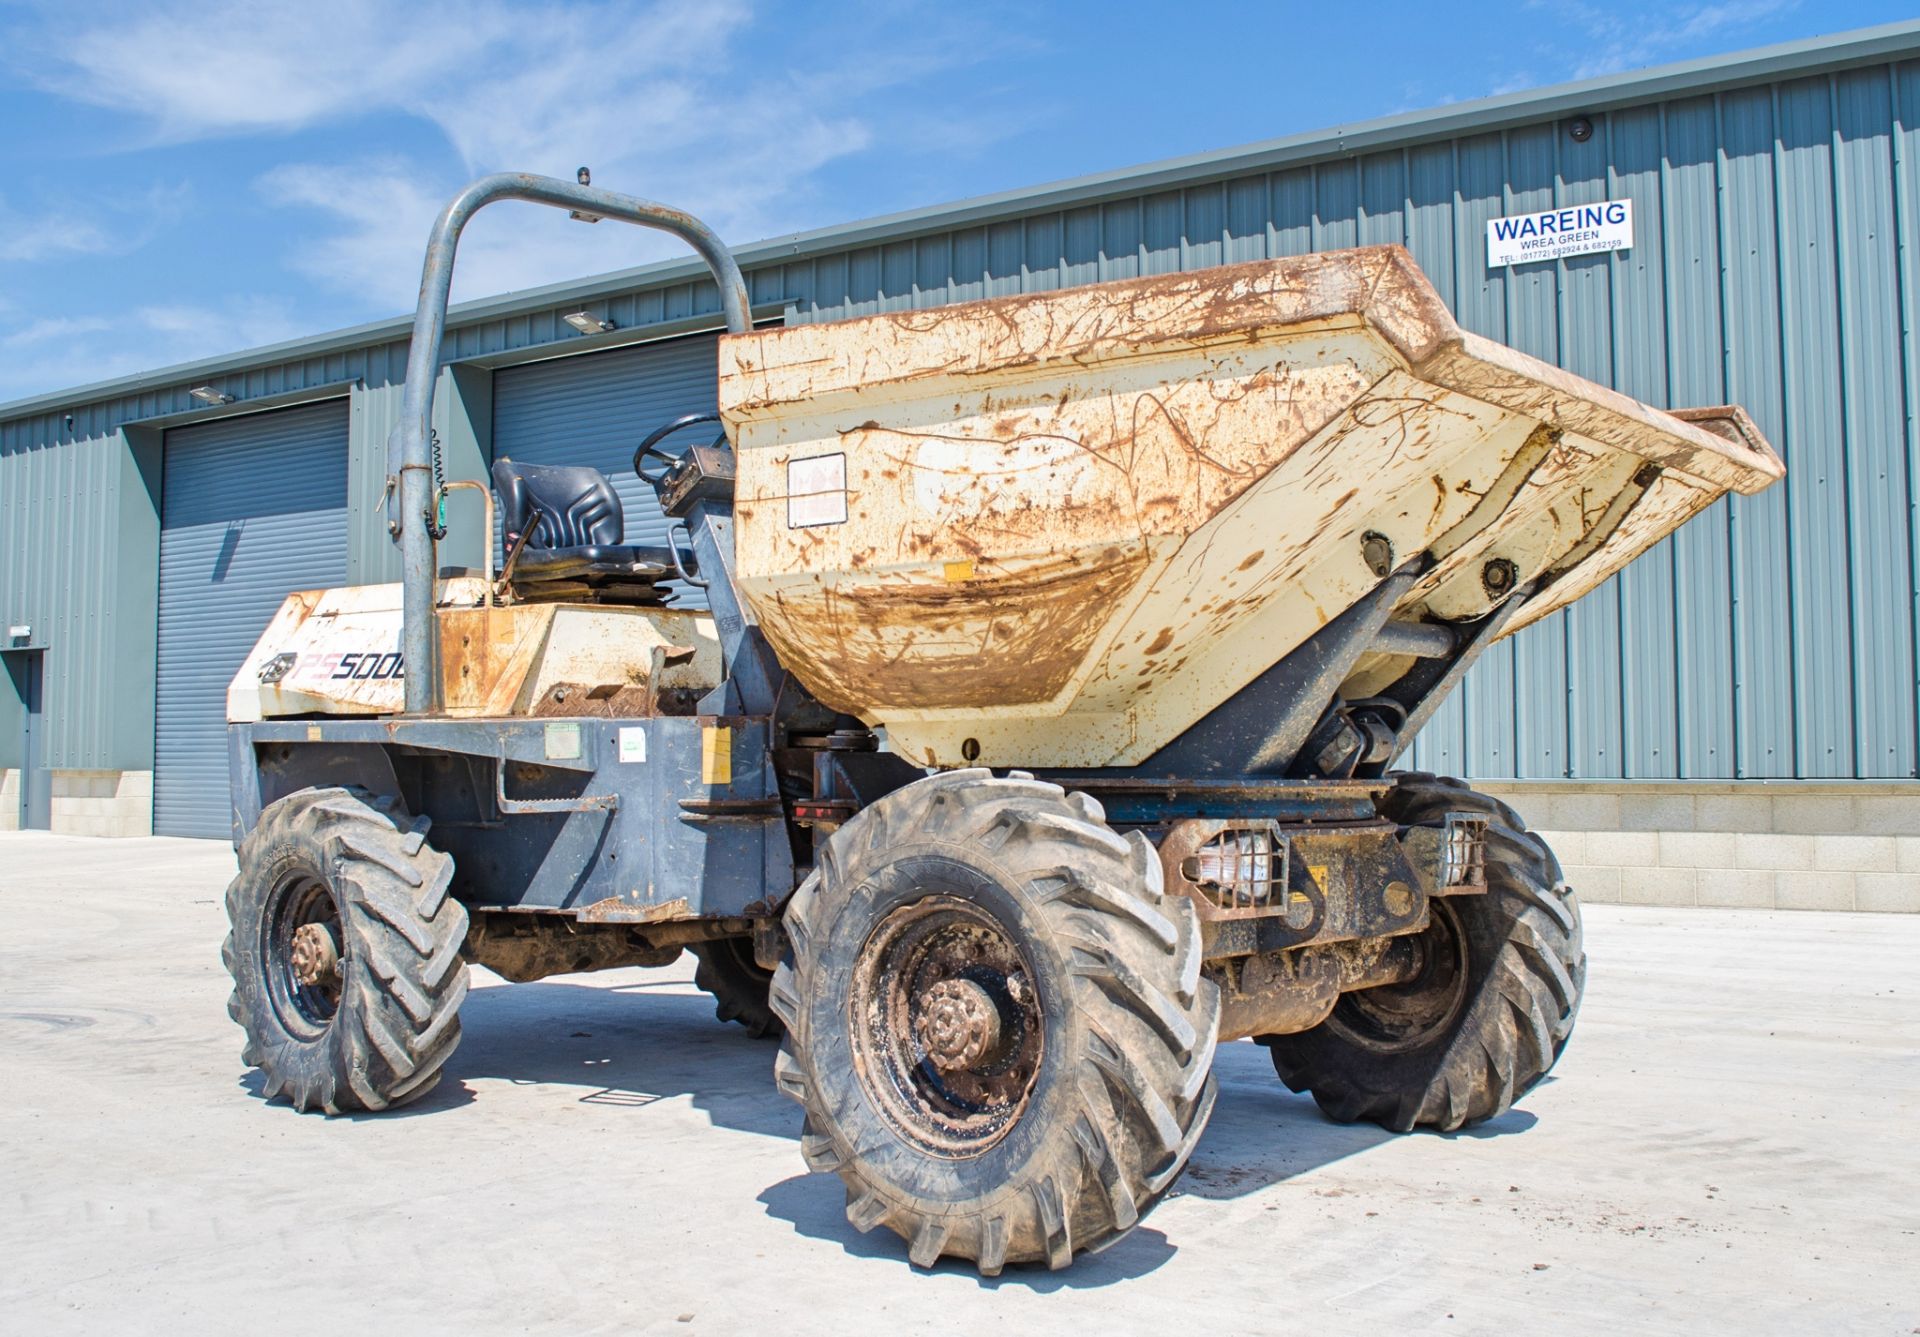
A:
[1008,719]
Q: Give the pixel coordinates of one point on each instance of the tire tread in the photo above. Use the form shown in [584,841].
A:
[1133,966]
[398,1020]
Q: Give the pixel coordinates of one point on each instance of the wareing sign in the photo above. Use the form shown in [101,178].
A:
[1578,229]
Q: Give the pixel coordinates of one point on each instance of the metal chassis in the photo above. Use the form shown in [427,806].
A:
[696,829]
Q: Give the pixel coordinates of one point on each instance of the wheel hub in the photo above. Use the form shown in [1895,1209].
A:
[315,955]
[1414,1012]
[958,1024]
[301,954]
[948,1028]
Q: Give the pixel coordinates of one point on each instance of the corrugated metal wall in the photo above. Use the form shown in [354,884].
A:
[1773,266]
[62,554]
[79,550]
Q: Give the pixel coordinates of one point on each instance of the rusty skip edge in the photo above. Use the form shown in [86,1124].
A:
[1381,287]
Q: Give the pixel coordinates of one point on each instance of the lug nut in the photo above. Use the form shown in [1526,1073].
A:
[958,1024]
[315,956]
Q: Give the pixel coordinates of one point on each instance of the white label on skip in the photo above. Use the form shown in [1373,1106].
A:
[633,745]
[817,491]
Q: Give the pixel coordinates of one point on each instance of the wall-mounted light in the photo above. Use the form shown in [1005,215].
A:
[20,633]
[206,394]
[588,323]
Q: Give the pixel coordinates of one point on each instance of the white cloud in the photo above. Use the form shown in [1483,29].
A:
[112,223]
[51,329]
[382,208]
[75,350]
[235,66]
[1622,39]
[383,211]
[1515,83]
[201,331]
[44,236]
[656,98]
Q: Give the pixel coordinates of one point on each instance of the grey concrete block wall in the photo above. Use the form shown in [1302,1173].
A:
[86,803]
[102,803]
[1787,845]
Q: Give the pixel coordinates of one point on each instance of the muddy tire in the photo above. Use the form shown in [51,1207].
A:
[1492,1008]
[345,953]
[738,984]
[996,1022]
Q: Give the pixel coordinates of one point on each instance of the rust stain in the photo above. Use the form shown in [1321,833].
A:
[613,910]
[485,654]
[921,645]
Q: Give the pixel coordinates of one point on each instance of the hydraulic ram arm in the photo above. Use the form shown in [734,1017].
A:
[410,484]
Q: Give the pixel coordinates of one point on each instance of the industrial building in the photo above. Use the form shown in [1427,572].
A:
[1734,720]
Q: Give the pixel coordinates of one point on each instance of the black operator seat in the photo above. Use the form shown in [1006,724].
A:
[577,540]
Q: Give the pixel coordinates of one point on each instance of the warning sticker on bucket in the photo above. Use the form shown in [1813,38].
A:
[1555,234]
[817,491]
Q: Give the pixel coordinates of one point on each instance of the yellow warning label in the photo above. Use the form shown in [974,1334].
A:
[716,755]
[1318,871]
[957,571]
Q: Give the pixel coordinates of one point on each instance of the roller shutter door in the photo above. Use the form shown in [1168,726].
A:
[251,508]
[596,408]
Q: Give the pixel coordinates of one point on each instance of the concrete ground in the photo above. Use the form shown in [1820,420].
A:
[1729,1146]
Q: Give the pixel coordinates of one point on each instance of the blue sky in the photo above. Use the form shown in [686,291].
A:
[180,178]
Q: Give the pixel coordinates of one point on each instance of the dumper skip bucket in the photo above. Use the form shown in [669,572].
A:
[1055,530]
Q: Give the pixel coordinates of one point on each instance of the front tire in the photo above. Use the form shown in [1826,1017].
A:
[997,1024]
[345,953]
[1492,1008]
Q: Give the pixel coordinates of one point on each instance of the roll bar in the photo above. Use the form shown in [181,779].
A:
[409,478]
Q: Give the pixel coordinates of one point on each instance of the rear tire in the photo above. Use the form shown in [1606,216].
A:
[996,1022]
[738,984]
[346,876]
[1492,1008]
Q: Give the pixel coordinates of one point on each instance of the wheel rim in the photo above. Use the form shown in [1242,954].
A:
[1398,1018]
[947,1026]
[305,964]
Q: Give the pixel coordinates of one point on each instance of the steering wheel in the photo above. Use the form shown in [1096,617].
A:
[651,447]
